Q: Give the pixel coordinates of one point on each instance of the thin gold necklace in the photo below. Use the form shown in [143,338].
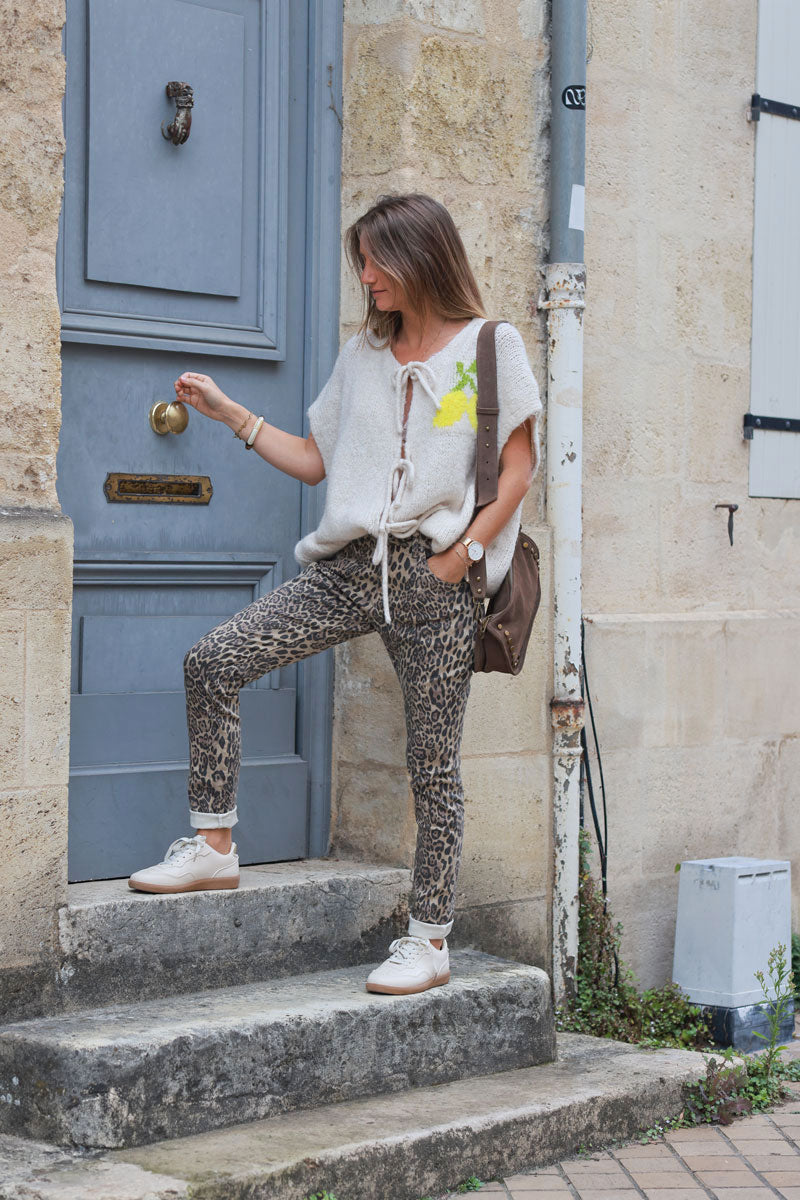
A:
[423,346]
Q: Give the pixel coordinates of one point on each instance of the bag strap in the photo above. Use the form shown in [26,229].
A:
[486,465]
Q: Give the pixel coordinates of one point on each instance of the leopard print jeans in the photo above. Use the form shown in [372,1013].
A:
[430,643]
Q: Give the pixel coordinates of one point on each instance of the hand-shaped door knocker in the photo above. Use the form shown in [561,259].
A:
[178,130]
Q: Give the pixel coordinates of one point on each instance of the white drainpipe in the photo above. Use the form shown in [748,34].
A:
[565,284]
[565,280]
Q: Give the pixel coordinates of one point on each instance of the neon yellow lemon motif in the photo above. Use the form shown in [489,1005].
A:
[454,405]
[457,402]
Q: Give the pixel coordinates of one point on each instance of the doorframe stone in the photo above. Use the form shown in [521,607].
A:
[323,239]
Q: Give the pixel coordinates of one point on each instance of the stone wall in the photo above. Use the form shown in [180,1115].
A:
[690,641]
[451,98]
[31,87]
[35,539]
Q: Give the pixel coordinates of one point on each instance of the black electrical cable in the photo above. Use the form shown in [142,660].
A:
[602,837]
[581,792]
[601,846]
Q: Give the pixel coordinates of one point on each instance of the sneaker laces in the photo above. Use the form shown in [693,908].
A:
[407,949]
[183,848]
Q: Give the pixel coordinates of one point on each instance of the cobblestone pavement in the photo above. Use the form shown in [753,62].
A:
[752,1159]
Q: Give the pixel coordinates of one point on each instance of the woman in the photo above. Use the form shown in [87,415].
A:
[393,431]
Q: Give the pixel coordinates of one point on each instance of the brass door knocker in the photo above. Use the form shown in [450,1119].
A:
[178,130]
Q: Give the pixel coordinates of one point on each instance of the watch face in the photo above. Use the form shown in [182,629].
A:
[475,550]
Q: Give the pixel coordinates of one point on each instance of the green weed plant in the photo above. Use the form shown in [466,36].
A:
[732,1088]
[778,993]
[607,1002]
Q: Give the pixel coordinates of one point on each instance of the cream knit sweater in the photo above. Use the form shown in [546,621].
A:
[357,423]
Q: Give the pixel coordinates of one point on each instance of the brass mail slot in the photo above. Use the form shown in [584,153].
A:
[157,489]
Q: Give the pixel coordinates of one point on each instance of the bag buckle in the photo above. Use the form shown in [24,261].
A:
[481,616]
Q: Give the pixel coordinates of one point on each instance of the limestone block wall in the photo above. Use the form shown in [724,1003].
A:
[451,98]
[31,87]
[690,640]
[35,539]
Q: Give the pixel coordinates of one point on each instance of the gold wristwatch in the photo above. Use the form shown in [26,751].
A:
[475,548]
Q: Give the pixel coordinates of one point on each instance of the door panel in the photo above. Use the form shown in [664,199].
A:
[166,251]
[188,236]
[108,395]
[180,247]
[150,727]
[123,815]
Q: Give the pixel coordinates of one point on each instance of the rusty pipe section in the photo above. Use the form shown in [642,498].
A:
[565,301]
[567,722]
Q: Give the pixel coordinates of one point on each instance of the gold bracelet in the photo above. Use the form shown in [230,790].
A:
[464,560]
[241,427]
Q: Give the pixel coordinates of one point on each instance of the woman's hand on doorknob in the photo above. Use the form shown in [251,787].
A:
[202,394]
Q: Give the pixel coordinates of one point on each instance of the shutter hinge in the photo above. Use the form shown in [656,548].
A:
[780,424]
[775,108]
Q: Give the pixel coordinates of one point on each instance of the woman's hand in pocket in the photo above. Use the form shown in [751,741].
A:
[447,566]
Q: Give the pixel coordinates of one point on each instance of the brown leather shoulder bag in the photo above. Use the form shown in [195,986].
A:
[504,626]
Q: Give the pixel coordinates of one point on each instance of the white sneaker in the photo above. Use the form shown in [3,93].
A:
[414,965]
[190,865]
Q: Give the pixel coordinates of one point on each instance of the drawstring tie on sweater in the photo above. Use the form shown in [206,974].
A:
[401,477]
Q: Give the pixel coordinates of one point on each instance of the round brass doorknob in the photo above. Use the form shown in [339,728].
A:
[168,418]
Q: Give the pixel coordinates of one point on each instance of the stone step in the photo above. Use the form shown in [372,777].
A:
[284,919]
[417,1143]
[128,1074]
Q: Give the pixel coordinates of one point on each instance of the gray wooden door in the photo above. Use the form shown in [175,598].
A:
[193,256]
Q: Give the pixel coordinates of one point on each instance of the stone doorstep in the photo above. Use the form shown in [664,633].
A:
[407,1145]
[128,1074]
[283,919]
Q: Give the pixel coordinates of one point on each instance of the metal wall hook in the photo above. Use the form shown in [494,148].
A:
[732,508]
[178,130]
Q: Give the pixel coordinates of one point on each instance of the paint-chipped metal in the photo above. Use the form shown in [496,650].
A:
[567,714]
[565,285]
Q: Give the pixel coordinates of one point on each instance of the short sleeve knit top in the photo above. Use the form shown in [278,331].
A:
[357,423]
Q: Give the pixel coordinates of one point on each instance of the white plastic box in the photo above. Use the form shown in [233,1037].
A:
[731,913]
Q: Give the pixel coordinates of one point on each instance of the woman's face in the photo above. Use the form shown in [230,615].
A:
[388,296]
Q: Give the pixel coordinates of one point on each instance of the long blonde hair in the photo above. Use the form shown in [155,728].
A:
[414,240]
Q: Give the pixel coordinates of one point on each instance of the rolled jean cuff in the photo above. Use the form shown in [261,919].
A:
[426,930]
[200,820]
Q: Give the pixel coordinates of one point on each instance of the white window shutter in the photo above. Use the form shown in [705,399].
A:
[775,363]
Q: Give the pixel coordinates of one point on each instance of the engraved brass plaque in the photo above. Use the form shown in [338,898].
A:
[120,488]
